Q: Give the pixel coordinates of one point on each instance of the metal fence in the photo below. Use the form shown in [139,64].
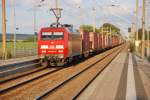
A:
[23,49]
[23,52]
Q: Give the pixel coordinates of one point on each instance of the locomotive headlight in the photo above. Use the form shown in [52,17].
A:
[44,46]
[60,51]
[59,47]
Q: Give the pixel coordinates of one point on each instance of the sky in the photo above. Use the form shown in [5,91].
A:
[76,12]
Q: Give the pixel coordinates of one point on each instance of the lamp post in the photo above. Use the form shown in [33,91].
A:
[148,31]
[132,31]
[34,20]
[94,19]
[14,28]
[137,22]
[34,25]
[4,30]
[147,41]
[143,29]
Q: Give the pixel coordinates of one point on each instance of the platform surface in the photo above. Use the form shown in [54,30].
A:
[127,77]
[17,60]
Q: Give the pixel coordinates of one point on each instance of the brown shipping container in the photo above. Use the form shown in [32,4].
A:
[85,42]
[98,46]
[103,43]
[113,40]
[106,41]
[94,40]
[116,40]
[99,41]
[109,41]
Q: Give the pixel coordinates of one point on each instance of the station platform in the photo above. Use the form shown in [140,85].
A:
[17,60]
[127,77]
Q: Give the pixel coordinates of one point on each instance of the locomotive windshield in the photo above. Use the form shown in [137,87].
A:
[52,35]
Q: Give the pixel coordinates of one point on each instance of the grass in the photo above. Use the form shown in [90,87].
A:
[19,46]
[10,45]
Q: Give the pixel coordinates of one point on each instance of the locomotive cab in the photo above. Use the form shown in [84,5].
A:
[52,45]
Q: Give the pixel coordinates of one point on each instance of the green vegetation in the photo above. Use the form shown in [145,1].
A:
[106,28]
[19,46]
[31,39]
[88,28]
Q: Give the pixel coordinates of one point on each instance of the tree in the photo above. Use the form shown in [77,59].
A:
[87,28]
[107,26]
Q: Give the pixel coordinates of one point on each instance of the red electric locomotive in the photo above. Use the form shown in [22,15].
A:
[58,45]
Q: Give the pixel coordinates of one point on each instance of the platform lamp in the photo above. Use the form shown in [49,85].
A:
[34,21]
[94,19]
[35,33]
[15,28]
[143,28]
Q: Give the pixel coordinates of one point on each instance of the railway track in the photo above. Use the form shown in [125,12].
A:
[17,70]
[19,81]
[12,64]
[72,87]
[50,84]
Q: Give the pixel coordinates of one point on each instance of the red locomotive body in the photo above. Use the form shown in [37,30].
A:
[52,41]
[58,44]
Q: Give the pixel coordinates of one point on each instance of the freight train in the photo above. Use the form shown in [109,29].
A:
[60,45]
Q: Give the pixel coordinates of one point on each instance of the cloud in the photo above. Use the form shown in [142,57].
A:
[77,1]
[30,2]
